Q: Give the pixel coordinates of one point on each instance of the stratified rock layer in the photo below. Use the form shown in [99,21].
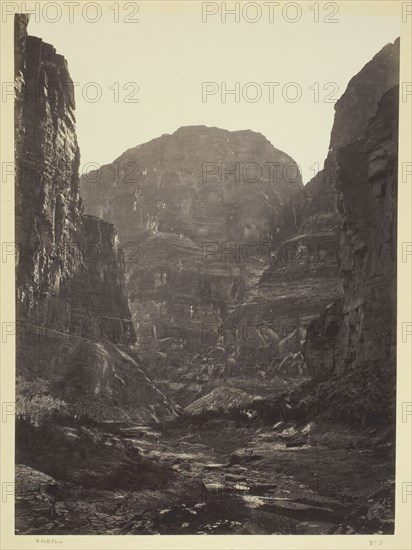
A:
[204,183]
[352,113]
[198,213]
[71,299]
[352,347]
[207,305]
[310,263]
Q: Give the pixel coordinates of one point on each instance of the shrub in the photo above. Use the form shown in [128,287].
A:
[34,404]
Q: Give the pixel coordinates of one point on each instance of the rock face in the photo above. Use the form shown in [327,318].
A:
[70,284]
[205,183]
[352,113]
[198,214]
[229,265]
[352,347]
[307,263]
[36,494]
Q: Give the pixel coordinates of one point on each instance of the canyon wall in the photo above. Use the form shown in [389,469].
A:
[308,262]
[229,268]
[199,213]
[352,113]
[73,318]
[351,349]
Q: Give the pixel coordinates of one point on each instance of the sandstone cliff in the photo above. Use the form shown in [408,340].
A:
[71,302]
[207,304]
[205,183]
[351,348]
[307,263]
[199,213]
[352,113]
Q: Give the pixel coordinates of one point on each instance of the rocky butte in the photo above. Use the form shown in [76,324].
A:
[198,214]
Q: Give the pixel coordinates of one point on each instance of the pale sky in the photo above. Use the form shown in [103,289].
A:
[167,57]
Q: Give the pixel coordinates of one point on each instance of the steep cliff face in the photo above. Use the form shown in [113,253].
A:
[352,347]
[307,263]
[70,287]
[205,183]
[198,213]
[352,113]
[206,301]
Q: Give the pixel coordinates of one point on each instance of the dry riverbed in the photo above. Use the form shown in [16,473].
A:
[217,477]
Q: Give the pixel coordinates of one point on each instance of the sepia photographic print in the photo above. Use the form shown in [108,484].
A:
[206,249]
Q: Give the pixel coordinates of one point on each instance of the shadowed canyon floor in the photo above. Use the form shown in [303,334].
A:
[221,477]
